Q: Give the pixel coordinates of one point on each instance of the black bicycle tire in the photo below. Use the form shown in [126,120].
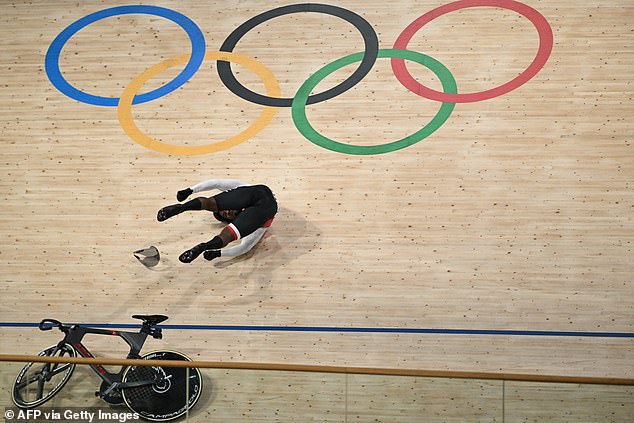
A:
[49,352]
[129,393]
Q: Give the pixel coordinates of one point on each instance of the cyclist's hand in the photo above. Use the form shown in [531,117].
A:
[183,194]
[211,254]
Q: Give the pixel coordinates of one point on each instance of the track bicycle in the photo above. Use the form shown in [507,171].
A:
[155,393]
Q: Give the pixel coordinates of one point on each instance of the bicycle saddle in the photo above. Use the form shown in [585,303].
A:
[150,319]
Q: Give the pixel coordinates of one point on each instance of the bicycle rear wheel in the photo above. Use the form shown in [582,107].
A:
[170,396]
[38,382]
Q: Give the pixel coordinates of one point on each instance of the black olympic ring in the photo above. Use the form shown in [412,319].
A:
[369,37]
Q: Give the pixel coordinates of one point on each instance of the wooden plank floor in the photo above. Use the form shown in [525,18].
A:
[516,214]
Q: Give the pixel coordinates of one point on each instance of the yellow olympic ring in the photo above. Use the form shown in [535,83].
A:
[124,108]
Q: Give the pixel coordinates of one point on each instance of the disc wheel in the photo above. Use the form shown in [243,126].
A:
[169,392]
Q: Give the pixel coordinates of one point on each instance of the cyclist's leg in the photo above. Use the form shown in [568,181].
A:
[234,199]
[199,203]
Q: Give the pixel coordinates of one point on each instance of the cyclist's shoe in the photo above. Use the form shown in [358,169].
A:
[169,211]
[190,255]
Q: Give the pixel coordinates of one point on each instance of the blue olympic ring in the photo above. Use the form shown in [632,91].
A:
[196,37]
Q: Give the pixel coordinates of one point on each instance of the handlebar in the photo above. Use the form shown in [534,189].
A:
[48,324]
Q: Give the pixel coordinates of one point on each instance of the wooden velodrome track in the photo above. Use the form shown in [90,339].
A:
[515,214]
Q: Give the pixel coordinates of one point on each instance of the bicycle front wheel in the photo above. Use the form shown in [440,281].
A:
[165,393]
[38,382]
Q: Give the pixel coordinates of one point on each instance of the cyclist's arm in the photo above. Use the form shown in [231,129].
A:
[219,184]
[247,243]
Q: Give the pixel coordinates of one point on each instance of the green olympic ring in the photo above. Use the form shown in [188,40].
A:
[298,108]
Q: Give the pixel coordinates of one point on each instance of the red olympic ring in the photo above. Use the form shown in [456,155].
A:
[545,47]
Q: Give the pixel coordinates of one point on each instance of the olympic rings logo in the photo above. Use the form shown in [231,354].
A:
[272,100]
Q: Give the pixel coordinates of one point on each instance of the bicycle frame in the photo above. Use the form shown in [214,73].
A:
[74,335]
[155,393]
